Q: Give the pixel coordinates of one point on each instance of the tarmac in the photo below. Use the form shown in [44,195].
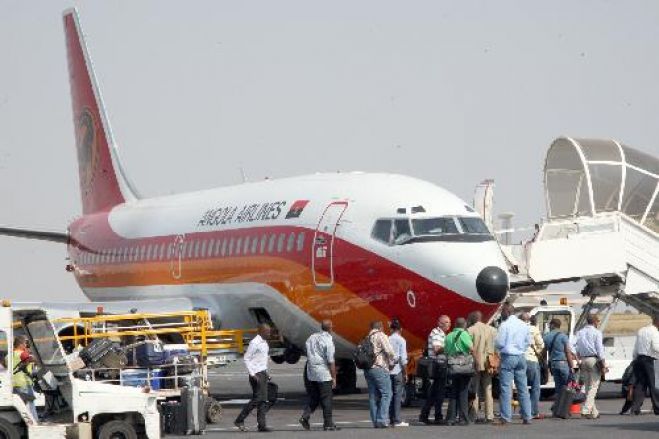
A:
[229,384]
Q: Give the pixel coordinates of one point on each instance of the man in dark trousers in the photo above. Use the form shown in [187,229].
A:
[646,357]
[437,390]
[320,376]
[256,361]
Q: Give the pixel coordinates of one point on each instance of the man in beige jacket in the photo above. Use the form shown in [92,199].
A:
[533,373]
[483,336]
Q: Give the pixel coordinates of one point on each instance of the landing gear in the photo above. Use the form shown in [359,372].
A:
[346,377]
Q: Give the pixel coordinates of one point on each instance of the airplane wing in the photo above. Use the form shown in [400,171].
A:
[44,235]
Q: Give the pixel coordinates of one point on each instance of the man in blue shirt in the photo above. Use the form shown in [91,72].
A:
[590,350]
[512,342]
[397,374]
[557,344]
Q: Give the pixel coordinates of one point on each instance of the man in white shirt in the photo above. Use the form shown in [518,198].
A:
[646,355]
[590,350]
[437,390]
[320,376]
[256,361]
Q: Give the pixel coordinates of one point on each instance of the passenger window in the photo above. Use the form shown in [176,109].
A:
[162,251]
[280,243]
[239,246]
[202,252]
[246,246]
[230,252]
[264,241]
[211,246]
[291,242]
[300,241]
[224,247]
[196,249]
[271,243]
[255,244]
[382,231]
[143,253]
[149,249]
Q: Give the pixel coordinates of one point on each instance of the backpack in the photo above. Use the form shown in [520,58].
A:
[364,354]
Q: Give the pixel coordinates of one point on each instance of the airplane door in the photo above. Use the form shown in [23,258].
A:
[176,256]
[322,257]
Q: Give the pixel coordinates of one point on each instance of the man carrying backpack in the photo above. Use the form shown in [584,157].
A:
[377,376]
[437,390]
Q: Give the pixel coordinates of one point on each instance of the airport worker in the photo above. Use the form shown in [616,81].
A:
[320,376]
[437,390]
[590,352]
[459,342]
[483,337]
[557,345]
[397,374]
[512,342]
[646,357]
[23,365]
[256,361]
[377,377]
[533,355]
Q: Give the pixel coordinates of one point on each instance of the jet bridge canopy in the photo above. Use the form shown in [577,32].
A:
[594,176]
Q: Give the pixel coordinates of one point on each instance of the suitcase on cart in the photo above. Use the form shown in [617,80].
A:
[563,403]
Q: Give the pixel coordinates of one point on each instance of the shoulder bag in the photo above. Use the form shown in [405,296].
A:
[461,364]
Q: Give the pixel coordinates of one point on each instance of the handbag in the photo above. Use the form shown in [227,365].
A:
[426,367]
[461,364]
[492,363]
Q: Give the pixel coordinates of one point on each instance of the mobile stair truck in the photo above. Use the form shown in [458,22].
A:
[77,408]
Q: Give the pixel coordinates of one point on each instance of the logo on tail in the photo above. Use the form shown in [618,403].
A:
[86,142]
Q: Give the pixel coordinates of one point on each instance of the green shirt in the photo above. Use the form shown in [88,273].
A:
[20,378]
[458,342]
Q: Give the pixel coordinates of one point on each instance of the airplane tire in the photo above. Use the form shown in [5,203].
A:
[213,411]
[9,430]
[346,377]
[278,359]
[117,428]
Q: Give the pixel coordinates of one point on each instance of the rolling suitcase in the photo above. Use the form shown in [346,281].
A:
[95,351]
[561,408]
[193,406]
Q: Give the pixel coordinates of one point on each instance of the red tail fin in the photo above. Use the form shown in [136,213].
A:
[102,181]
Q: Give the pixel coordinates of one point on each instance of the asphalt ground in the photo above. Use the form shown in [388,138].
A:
[230,386]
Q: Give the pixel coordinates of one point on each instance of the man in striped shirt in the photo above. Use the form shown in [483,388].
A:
[437,390]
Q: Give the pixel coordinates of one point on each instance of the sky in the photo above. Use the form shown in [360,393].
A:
[449,92]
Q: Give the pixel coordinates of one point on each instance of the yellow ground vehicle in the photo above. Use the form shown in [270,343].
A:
[190,333]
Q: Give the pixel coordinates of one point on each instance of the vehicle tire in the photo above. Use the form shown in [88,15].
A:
[409,391]
[278,359]
[117,430]
[213,411]
[292,356]
[9,430]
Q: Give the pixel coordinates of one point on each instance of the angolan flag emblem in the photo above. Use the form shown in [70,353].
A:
[296,209]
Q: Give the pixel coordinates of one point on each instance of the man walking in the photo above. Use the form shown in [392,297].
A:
[512,342]
[483,336]
[560,355]
[437,390]
[646,356]
[256,361]
[590,351]
[377,377]
[320,376]
[398,374]
[533,353]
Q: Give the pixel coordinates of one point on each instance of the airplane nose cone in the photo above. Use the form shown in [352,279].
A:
[492,284]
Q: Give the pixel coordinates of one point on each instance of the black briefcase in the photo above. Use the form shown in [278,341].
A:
[426,368]
[273,390]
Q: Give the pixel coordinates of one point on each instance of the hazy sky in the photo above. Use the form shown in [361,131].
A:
[450,92]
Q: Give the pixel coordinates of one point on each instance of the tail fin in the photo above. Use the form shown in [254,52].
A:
[103,183]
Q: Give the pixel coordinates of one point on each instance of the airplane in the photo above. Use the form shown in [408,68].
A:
[352,247]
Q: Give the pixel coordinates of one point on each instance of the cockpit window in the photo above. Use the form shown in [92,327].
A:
[401,231]
[382,231]
[473,225]
[434,226]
